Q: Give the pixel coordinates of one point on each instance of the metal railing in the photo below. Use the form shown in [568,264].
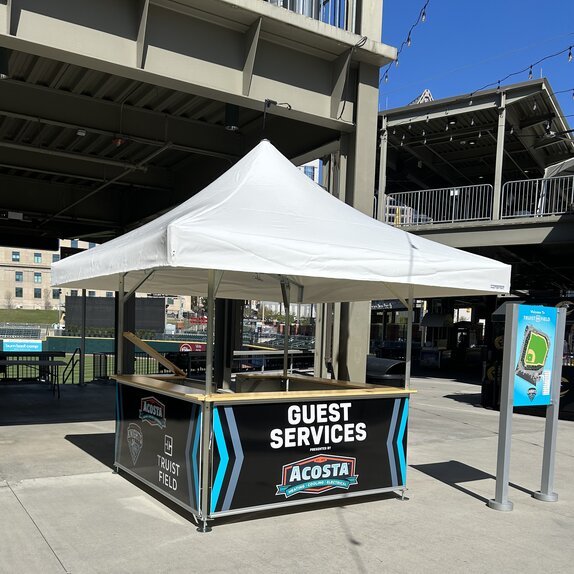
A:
[443,205]
[70,370]
[102,365]
[338,13]
[537,197]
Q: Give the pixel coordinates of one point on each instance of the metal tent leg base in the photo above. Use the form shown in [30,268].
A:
[404,494]
[504,506]
[545,497]
[204,526]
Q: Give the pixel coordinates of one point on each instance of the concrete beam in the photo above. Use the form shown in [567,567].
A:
[251,43]
[519,231]
[103,117]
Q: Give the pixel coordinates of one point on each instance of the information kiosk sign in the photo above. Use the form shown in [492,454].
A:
[534,355]
[531,373]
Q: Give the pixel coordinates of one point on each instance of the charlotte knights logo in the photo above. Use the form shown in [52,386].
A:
[152,412]
[317,474]
[135,441]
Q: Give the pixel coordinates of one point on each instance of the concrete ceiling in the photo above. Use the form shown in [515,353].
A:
[87,154]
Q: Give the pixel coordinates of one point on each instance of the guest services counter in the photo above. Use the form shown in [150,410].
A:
[263,446]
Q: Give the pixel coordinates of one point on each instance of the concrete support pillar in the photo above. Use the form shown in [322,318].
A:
[351,346]
[229,320]
[125,321]
[496,201]
[370,19]
[382,183]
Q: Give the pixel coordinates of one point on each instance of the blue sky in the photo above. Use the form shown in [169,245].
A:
[465,44]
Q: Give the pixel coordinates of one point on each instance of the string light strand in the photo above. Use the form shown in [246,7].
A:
[407,41]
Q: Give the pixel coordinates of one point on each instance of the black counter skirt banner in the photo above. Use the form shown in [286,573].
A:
[270,453]
[158,441]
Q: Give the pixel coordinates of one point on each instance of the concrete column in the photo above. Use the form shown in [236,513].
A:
[126,358]
[370,19]
[382,184]
[496,201]
[360,149]
[229,320]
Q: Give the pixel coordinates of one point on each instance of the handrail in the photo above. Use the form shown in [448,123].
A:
[542,197]
[441,205]
[338,13]
[70,367]
[537,197]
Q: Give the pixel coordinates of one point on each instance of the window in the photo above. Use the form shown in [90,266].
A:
[74,293]
[55,257]
[19,276]
[19,292]
[109,293]
[37,292]
[37,278]
[91,293]
[55,293]
[309,171]
[15,256]
[74,243]
[37,258]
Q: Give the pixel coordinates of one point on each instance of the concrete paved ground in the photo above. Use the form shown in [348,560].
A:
[63,510]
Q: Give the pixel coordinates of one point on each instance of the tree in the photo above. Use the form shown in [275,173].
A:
[9,299]
[47,301]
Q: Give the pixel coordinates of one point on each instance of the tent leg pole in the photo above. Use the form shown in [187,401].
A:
[205,466]
[210,333]
[285,291]
[120,333]
[408,354]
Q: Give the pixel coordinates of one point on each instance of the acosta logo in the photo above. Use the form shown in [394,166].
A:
[317,474]
[152,412]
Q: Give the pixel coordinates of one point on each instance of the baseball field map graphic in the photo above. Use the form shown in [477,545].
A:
[536,333]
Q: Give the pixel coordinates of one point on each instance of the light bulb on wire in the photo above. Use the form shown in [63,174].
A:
[570,54]
[530,73]
[424,16]
[409,42]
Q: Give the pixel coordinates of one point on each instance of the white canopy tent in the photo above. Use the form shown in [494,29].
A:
[264,219]
[264,228]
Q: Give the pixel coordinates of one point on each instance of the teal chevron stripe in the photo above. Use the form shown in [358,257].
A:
[390,449]
[195,458]
[400,447]
[223,459]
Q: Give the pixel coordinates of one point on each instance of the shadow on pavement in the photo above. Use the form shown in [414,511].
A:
[100,446]
[454,472]
[474,399]
[34,403]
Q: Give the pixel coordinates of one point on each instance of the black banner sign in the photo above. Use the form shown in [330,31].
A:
[270,453]
[158,441]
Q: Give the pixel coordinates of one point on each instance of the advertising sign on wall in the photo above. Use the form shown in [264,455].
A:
[21,345]
[266,454]
[534,359]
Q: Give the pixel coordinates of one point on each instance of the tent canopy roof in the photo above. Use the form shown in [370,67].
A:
[264,220]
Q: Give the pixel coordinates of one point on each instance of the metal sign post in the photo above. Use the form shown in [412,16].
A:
[546,493]
[500,501]
[531,375]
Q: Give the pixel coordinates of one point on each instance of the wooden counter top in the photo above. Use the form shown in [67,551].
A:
[163,386]
[339,389]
